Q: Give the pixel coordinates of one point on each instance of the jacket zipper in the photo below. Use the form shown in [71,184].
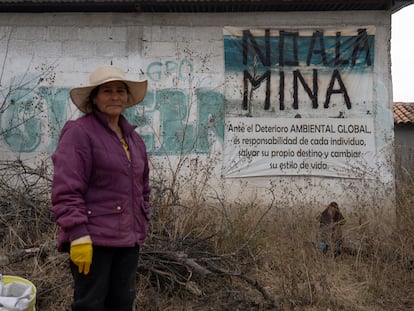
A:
[131,185]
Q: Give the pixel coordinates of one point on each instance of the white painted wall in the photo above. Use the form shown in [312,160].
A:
[179,54]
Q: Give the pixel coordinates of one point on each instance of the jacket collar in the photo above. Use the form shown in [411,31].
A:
[126,127]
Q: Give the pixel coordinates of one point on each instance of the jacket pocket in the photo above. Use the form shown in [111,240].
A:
[105,222]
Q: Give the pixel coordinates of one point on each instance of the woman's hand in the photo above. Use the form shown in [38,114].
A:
[81,253]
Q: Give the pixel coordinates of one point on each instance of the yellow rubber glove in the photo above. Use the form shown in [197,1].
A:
[81,253]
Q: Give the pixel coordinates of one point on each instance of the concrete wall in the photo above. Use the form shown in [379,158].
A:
[404,136]
[404,155]
[182,55]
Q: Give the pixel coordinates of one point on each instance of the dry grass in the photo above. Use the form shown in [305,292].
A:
[273,246]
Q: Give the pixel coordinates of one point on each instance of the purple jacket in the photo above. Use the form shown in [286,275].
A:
[96,190]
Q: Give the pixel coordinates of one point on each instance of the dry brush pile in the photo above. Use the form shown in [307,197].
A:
[228,256]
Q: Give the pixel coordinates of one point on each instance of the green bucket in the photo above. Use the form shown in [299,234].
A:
[10,279]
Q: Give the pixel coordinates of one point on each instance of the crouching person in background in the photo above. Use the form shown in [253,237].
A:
[330,222]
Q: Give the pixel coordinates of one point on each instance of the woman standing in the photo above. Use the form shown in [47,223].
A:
[101,192]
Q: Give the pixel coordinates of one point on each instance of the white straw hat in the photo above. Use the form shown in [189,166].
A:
[80,95]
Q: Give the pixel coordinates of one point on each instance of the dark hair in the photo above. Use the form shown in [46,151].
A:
[89,105]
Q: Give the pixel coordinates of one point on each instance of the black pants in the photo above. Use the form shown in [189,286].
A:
[110,284]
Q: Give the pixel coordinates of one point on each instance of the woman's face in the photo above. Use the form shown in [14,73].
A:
[111,98]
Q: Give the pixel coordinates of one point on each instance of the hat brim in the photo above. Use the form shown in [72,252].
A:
[137,92]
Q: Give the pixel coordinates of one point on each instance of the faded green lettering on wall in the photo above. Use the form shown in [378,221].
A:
[57,101]
[163,119]
[21,124]
[210,122]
